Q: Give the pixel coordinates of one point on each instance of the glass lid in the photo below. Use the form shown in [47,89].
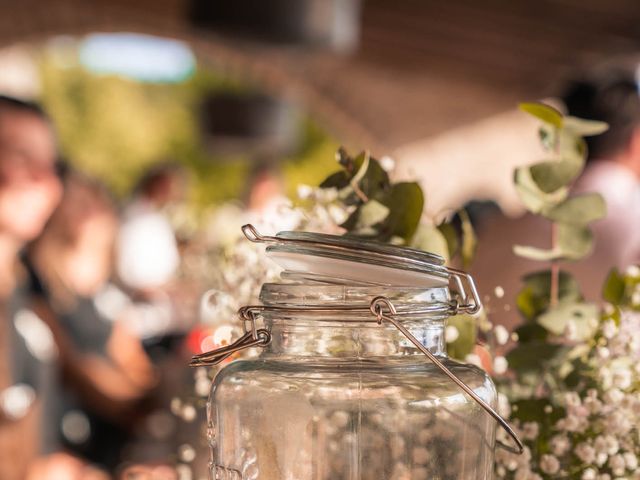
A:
[327,258]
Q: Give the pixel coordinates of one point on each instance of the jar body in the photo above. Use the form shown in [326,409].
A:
[351,403]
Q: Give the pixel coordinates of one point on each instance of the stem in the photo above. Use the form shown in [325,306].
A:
[555,269]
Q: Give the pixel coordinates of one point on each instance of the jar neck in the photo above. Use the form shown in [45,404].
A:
[315,338]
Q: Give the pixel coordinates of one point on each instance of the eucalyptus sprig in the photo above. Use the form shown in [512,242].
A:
[391,212]
[394,212]
[550,301]
[544,190]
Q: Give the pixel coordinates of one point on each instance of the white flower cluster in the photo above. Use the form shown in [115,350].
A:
[242,266]
[597,435]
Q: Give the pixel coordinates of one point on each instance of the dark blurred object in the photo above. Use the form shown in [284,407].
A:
[249,123]
[610,96]
[332,24]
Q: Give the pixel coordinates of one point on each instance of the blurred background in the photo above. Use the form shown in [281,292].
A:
[177,120]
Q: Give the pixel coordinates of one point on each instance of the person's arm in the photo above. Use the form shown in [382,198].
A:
[111,384]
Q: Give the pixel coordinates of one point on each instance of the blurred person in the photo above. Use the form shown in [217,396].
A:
[147,249]
[613,170]
[266,189]
[106,371]
[29,191]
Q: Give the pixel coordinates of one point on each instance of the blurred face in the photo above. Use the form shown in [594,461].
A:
[90,228]
[29,187]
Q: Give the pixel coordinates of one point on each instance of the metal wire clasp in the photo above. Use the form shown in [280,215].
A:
[253,337]
[378,306]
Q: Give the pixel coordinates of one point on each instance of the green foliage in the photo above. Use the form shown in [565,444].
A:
[533,299]
[579,210]
[549,176]
[619,288]
[431,239]
[543,112]
[544,186]
[582,316]
[534,356]
[532,196]
[550,300]
[466,341]
[614,287]
[392,212]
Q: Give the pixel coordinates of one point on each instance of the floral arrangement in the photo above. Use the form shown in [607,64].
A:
[572,387]
[570,380]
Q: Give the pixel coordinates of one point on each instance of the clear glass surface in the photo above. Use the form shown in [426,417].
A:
[343,398]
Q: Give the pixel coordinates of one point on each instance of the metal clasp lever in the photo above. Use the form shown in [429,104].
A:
[466,287]
[377,308]
[253,337]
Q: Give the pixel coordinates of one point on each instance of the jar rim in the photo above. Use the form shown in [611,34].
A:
[407,300]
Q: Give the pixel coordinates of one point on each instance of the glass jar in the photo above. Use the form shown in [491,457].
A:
[342,388]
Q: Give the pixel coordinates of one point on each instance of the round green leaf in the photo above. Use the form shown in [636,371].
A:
[549,176]
[467,332]
[469,239]
[533,198]
[533,298]
[370,214]
[574,241]
[579,210]
[535,253]
[430,239]
[614,287]
[405,202]
[584,128]
[543,112]
[582,315]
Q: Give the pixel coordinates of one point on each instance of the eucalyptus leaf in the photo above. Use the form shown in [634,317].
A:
[583,316]
[533,198]
[469,239]
[535,253]
[430,239]
[337,180]
[579,210]
[405,202]
[531,332]
[614,287]
[583,127]
[574,241]
[548,136]
[534,356]
[543,112]
[571,147]
[549,176]
[451,236]
[536,410]
[370,214]
[533,298]
[371,179]
[466,341]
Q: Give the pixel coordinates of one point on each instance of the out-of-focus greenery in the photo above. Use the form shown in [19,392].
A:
[116,128]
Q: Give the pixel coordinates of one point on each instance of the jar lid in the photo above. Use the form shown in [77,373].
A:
[340,259]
